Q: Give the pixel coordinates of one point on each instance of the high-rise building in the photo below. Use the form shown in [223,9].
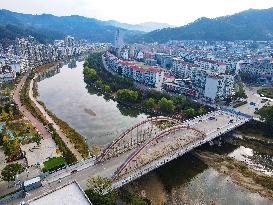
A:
[119,39]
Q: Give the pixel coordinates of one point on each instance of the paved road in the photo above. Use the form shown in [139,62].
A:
[35,122]
[252,96]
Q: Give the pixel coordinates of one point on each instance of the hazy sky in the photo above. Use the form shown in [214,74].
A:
[175,12]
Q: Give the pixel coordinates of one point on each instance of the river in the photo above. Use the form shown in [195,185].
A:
[100,120]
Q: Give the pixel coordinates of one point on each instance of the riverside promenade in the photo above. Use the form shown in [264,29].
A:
[50,120]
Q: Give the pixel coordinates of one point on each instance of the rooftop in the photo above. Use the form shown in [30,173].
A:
[69,194]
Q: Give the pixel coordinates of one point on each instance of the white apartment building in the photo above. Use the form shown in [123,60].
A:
[181,68]
[211,65]
[261,68]
[218,87]
[208,78]
[149,75]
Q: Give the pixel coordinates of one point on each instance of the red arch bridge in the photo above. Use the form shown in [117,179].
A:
[148,145]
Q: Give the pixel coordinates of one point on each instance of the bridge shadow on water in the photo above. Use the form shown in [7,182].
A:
[180,171]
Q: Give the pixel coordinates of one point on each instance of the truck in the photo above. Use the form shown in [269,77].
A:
[33,183]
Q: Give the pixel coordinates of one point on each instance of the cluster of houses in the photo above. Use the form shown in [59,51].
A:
[138,71]
[27,53]
[260,70]
[202,69]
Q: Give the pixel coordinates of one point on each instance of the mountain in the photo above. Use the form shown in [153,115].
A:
[47,27]
[145,27]
[247,25]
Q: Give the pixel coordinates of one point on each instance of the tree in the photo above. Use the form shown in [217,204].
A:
[99,184]
[179,100]
[266,114]
[166,105]
[11,170]
[96,192]
[201,110]
[240,92]
[37,138]
[150,103]
[11,147]
[90,74]
[106,88]
[190,112]
[99,83]
[127,95]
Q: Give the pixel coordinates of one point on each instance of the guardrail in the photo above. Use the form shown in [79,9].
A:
[237,113]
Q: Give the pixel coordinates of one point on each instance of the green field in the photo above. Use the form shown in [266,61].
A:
[54,164]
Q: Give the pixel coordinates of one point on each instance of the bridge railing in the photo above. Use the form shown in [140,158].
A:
[232,111]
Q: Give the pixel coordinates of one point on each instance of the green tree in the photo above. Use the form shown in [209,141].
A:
[11,147]
[240,92]
[150,103]
[127,95]
[96,192]
[266,114]
[202,110]
[99,184]
[90,74]
[166,105]
[99,83]
[190,112]
[11,170]
[37,138]
[106,88]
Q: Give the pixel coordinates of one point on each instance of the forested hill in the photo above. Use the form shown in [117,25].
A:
[247,25]
[47,27]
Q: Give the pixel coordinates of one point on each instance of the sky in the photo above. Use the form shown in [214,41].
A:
[174,12]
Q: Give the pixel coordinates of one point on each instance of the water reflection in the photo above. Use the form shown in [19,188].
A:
[66,95]
[49,73]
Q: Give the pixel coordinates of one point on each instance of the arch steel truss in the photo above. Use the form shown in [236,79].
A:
[120,144]
[161,134]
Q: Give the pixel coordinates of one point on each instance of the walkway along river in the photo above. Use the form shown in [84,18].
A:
[100,120]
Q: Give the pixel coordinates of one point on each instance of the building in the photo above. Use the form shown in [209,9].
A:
[260,69]
[211,65]
[69,194]
[138,71]
[7,74]
[181,68]
[119,39]
[218,87]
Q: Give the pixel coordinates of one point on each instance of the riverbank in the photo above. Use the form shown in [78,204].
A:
[27,98]
[79,148]
[71,134]
[239,173]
